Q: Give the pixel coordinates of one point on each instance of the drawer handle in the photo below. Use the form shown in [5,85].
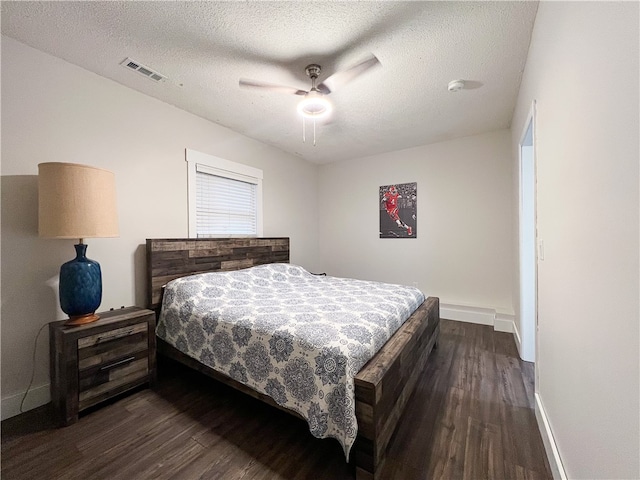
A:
[119,362]
[120,334]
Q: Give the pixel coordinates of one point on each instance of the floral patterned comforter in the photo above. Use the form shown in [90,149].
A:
[297,337]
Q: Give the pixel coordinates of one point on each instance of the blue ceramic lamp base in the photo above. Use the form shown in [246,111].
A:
[80,288]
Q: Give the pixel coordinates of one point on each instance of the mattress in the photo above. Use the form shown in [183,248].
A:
[297,337]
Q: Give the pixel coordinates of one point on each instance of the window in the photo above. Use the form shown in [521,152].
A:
[225,198]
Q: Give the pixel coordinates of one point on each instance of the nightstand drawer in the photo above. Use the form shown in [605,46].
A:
[104,349]
[114,370]
[112,335]
[111,378]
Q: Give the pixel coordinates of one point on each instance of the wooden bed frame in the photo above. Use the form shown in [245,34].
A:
[382,387]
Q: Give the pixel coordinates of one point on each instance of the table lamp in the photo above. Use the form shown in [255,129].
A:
[77,201]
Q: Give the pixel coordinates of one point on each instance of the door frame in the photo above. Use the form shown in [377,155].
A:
[528,255]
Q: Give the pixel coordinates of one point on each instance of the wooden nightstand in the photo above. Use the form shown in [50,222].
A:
[94,362]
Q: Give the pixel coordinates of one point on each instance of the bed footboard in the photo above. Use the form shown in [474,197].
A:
[384,386]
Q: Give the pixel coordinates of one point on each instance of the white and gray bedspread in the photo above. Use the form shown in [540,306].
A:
[298,337]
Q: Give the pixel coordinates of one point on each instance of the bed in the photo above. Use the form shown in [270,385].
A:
[381,387]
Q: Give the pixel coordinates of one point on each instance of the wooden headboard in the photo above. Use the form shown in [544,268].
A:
[169,258]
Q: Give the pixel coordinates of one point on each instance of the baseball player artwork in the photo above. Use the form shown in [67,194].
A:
[398,210]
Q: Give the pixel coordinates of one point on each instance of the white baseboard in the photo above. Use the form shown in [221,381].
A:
[37,397]
[550,447]
[482,316]
[501,322]
[504,323]
[516,336]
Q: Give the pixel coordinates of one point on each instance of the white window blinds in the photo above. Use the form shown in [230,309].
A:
[224,197]
[224,206]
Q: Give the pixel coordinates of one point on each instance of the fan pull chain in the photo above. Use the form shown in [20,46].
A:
[304,131]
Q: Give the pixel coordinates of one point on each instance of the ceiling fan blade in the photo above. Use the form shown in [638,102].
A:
[339,79]
[246,83]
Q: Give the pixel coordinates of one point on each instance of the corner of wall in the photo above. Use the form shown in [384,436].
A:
[505,322]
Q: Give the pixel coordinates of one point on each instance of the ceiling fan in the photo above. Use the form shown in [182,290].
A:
[315,104]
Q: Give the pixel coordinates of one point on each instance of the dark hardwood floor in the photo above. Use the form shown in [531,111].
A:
[471,417]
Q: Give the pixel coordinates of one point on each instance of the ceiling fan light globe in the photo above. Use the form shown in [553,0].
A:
[314,105]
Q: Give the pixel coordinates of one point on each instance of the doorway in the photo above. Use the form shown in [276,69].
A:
[527,242]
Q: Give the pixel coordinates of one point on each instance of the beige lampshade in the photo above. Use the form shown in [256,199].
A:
[76,201]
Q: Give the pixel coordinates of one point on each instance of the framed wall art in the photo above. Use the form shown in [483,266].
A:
[398,214]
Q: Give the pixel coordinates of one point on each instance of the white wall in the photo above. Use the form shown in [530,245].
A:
[53,111]
[463,250]
[582,70]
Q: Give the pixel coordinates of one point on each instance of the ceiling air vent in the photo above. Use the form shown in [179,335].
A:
[142,70]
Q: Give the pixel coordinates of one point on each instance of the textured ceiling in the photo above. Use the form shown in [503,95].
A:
[204,48]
